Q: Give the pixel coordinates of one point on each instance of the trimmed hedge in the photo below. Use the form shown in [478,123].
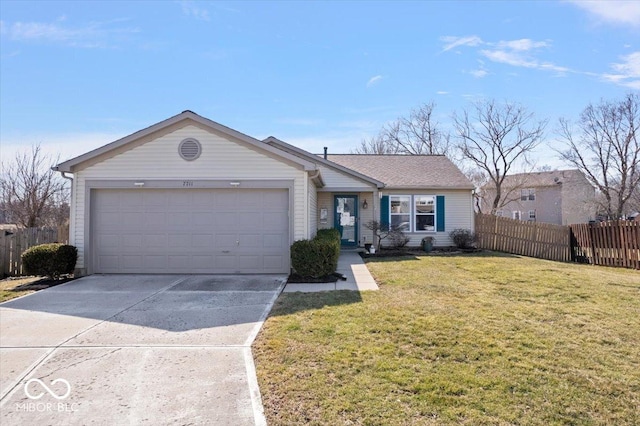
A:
[317,258]
[331,234]
[51,260]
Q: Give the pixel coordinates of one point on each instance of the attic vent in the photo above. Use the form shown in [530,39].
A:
[189,149]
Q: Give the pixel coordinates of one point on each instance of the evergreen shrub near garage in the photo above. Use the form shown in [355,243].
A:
[52,260]
[318,257]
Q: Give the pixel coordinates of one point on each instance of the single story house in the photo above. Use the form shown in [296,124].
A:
[189,195]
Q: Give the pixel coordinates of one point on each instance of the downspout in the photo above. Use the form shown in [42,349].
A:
[71,199]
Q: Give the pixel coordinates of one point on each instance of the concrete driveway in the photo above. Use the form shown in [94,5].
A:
[109,349]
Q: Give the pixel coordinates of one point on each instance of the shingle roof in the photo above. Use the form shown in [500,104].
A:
[540,179]
[406,171]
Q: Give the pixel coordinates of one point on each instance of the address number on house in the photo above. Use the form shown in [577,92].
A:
[187,183]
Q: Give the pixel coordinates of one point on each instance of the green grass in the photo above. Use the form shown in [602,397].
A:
[10,288]
[471,339]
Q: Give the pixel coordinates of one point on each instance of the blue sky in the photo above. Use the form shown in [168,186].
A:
[76,75]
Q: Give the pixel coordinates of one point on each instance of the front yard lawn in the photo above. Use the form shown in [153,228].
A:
[13,287]
[478,339]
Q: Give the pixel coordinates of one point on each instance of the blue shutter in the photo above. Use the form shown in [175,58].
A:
[384,210]
[440,213]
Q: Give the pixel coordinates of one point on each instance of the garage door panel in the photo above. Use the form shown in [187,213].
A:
[180,241]
[132,241]
[154,263]
[203,241]
[190,230]
[155,220]
[155,242]
[203,219]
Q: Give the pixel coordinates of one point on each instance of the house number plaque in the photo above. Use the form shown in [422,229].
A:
[187,183]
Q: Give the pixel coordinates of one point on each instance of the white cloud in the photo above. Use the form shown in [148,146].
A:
[451,42]
[479,73]
[189,8]
[442,92]
[92,35]
[627,72]
[612,11]
[522,44]
[374,80]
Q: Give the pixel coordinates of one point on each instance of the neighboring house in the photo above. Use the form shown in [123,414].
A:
[188,195]
[563,197]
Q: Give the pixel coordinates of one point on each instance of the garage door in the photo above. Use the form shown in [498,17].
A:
[190,230]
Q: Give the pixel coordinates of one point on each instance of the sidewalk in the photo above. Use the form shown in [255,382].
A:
[351,265]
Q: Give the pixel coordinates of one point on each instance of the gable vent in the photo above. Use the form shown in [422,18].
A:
[189,149]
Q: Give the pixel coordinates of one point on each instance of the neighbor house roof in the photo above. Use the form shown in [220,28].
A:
[542,179]
[406,171]
[128,142]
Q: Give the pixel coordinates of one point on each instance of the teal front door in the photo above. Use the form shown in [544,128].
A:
[345,219]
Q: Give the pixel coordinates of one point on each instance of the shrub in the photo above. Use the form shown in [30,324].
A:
[462,238]
[51,260]
[318,257]
[398,239]
[330,234]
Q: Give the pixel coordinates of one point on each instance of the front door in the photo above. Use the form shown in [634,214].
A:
[346,219]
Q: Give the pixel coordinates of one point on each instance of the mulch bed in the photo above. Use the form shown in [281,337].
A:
[412,251]
[298,279]
[40,284]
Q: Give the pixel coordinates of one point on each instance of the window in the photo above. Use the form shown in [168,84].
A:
[516,215]
[425,212]
[528,194]
[499,213]
[413,213]
[532,215]
[400,212]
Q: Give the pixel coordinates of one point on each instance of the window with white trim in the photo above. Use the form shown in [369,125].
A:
[516,215]
[424,213]
[528,194]
[499,213]
[413,213]
[532,215]
[400,212]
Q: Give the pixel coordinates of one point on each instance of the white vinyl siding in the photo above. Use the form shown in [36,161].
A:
[159,159]
[335,179]
[313,208]
[458,213]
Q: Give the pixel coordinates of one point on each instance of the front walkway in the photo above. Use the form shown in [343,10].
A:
[351,265]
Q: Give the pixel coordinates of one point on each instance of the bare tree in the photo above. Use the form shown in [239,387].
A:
[496,138]
[33,194]
[417,134]
[605,148]
[375,145]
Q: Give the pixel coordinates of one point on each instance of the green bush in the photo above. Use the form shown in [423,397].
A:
[330,234]
[462,238]
[51,260]
[318,257]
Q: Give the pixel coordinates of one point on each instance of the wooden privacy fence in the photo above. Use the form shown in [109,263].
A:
[615,243]
[541,240]
[13,242]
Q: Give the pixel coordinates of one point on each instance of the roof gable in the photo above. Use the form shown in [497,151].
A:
[183,119]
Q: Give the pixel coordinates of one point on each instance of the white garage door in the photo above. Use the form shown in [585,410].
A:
[190,231]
